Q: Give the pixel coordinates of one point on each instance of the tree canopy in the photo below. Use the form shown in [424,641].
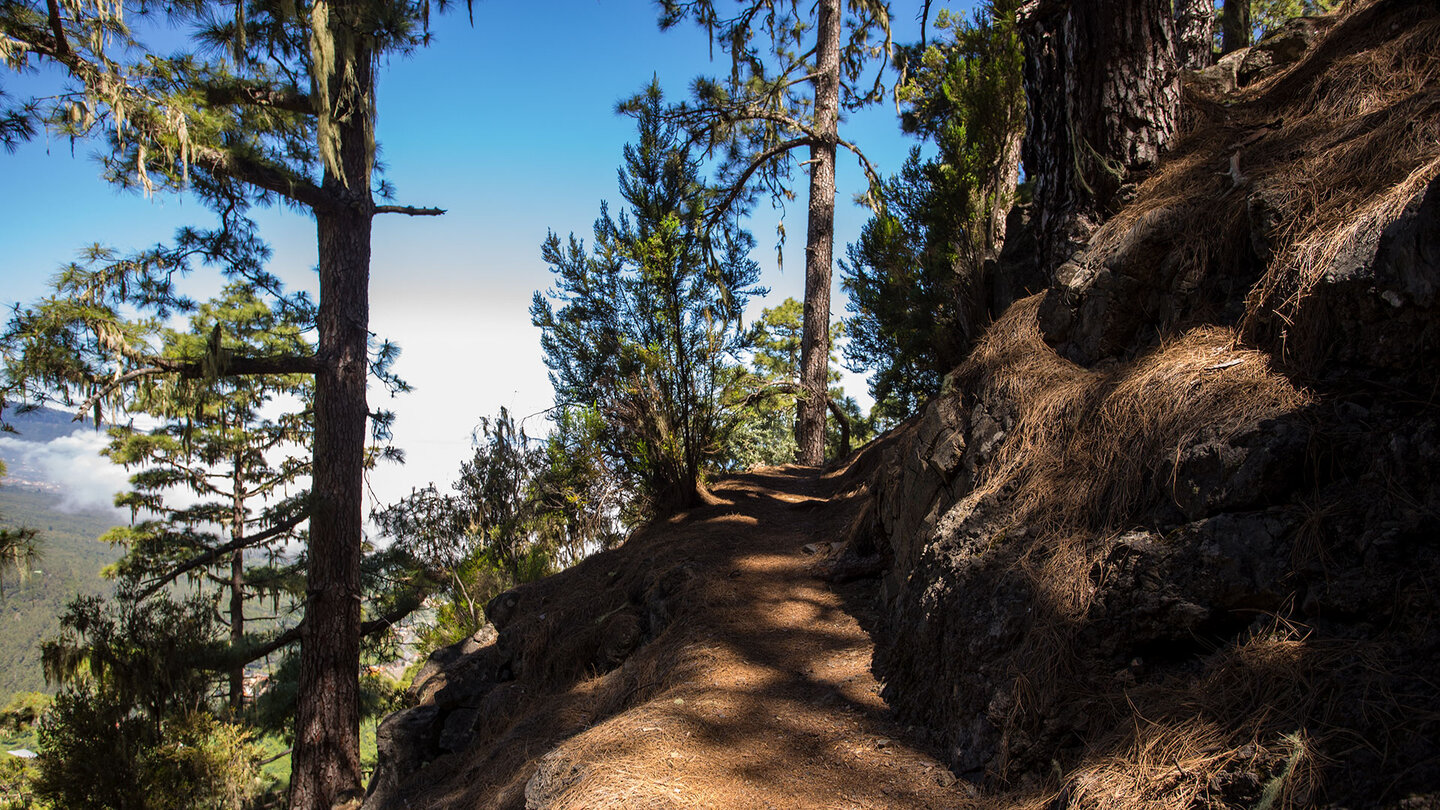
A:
[265,104]
[758,116]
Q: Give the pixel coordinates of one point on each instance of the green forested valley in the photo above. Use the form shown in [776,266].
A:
[70,564]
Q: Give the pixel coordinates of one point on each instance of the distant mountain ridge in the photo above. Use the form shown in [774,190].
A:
[44,424]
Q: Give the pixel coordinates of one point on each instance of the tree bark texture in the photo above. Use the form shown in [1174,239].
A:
[1234,26]
[327,744]
[819,241]
[237,582]
[326,763]
[1103,92]
[1195,33]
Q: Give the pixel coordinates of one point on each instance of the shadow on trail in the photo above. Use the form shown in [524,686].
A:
[704,663]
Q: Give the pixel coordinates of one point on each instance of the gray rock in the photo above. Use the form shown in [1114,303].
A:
[1286,46]
[1219,79]
[1376,304]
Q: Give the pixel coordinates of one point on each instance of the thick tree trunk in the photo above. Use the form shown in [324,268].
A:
[1235,26]
[819,242]
[327,745]
[326,761]
[1195,33]
[1103,101]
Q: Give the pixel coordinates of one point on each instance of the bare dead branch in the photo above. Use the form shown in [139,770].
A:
[409,211]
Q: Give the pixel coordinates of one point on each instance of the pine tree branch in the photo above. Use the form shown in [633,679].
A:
[738,187]
[690,118]
[409,210]
[789,83]
[217,552]
[257,95]
[224,163]
[194,370]
[265,487]
[786,387]
[870,173]
[57,29]
[370,628]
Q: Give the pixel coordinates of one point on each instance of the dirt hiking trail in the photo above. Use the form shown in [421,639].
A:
[756,693]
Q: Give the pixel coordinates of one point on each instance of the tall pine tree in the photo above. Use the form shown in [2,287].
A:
[219,479]
[275,102]
[758,117]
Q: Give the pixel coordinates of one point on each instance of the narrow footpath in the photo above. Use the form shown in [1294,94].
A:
[757,694]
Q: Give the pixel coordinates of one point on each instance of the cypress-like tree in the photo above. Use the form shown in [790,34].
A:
[759,117]
[648,323]
[238,473]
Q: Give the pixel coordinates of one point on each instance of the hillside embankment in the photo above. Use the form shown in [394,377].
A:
[1169,538]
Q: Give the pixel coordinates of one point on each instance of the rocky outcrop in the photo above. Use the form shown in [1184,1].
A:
[1188,500]
[509,680]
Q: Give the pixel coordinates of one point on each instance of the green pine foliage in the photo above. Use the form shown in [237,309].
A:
[1268,15]
[754,117]
[258,104]
[218,488]
[96,753]
[217,492]
[915,278]
[578,491]
[765,436]
[518,510]
[644,327]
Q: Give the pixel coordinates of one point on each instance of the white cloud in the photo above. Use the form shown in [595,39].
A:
[71,465]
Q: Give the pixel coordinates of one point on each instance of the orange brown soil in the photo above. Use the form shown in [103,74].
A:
[758,693]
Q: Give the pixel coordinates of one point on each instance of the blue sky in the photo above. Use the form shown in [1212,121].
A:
[509,125]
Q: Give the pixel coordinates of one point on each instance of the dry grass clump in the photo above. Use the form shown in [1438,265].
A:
[1348,153]
[1178,766]
[1089,453]
[1328,153]
[1090,448]
[1253,715]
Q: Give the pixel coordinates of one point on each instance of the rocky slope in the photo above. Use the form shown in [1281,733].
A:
[1172,536]
[1169,538]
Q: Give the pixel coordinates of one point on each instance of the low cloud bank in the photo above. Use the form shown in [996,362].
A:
[71,466]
